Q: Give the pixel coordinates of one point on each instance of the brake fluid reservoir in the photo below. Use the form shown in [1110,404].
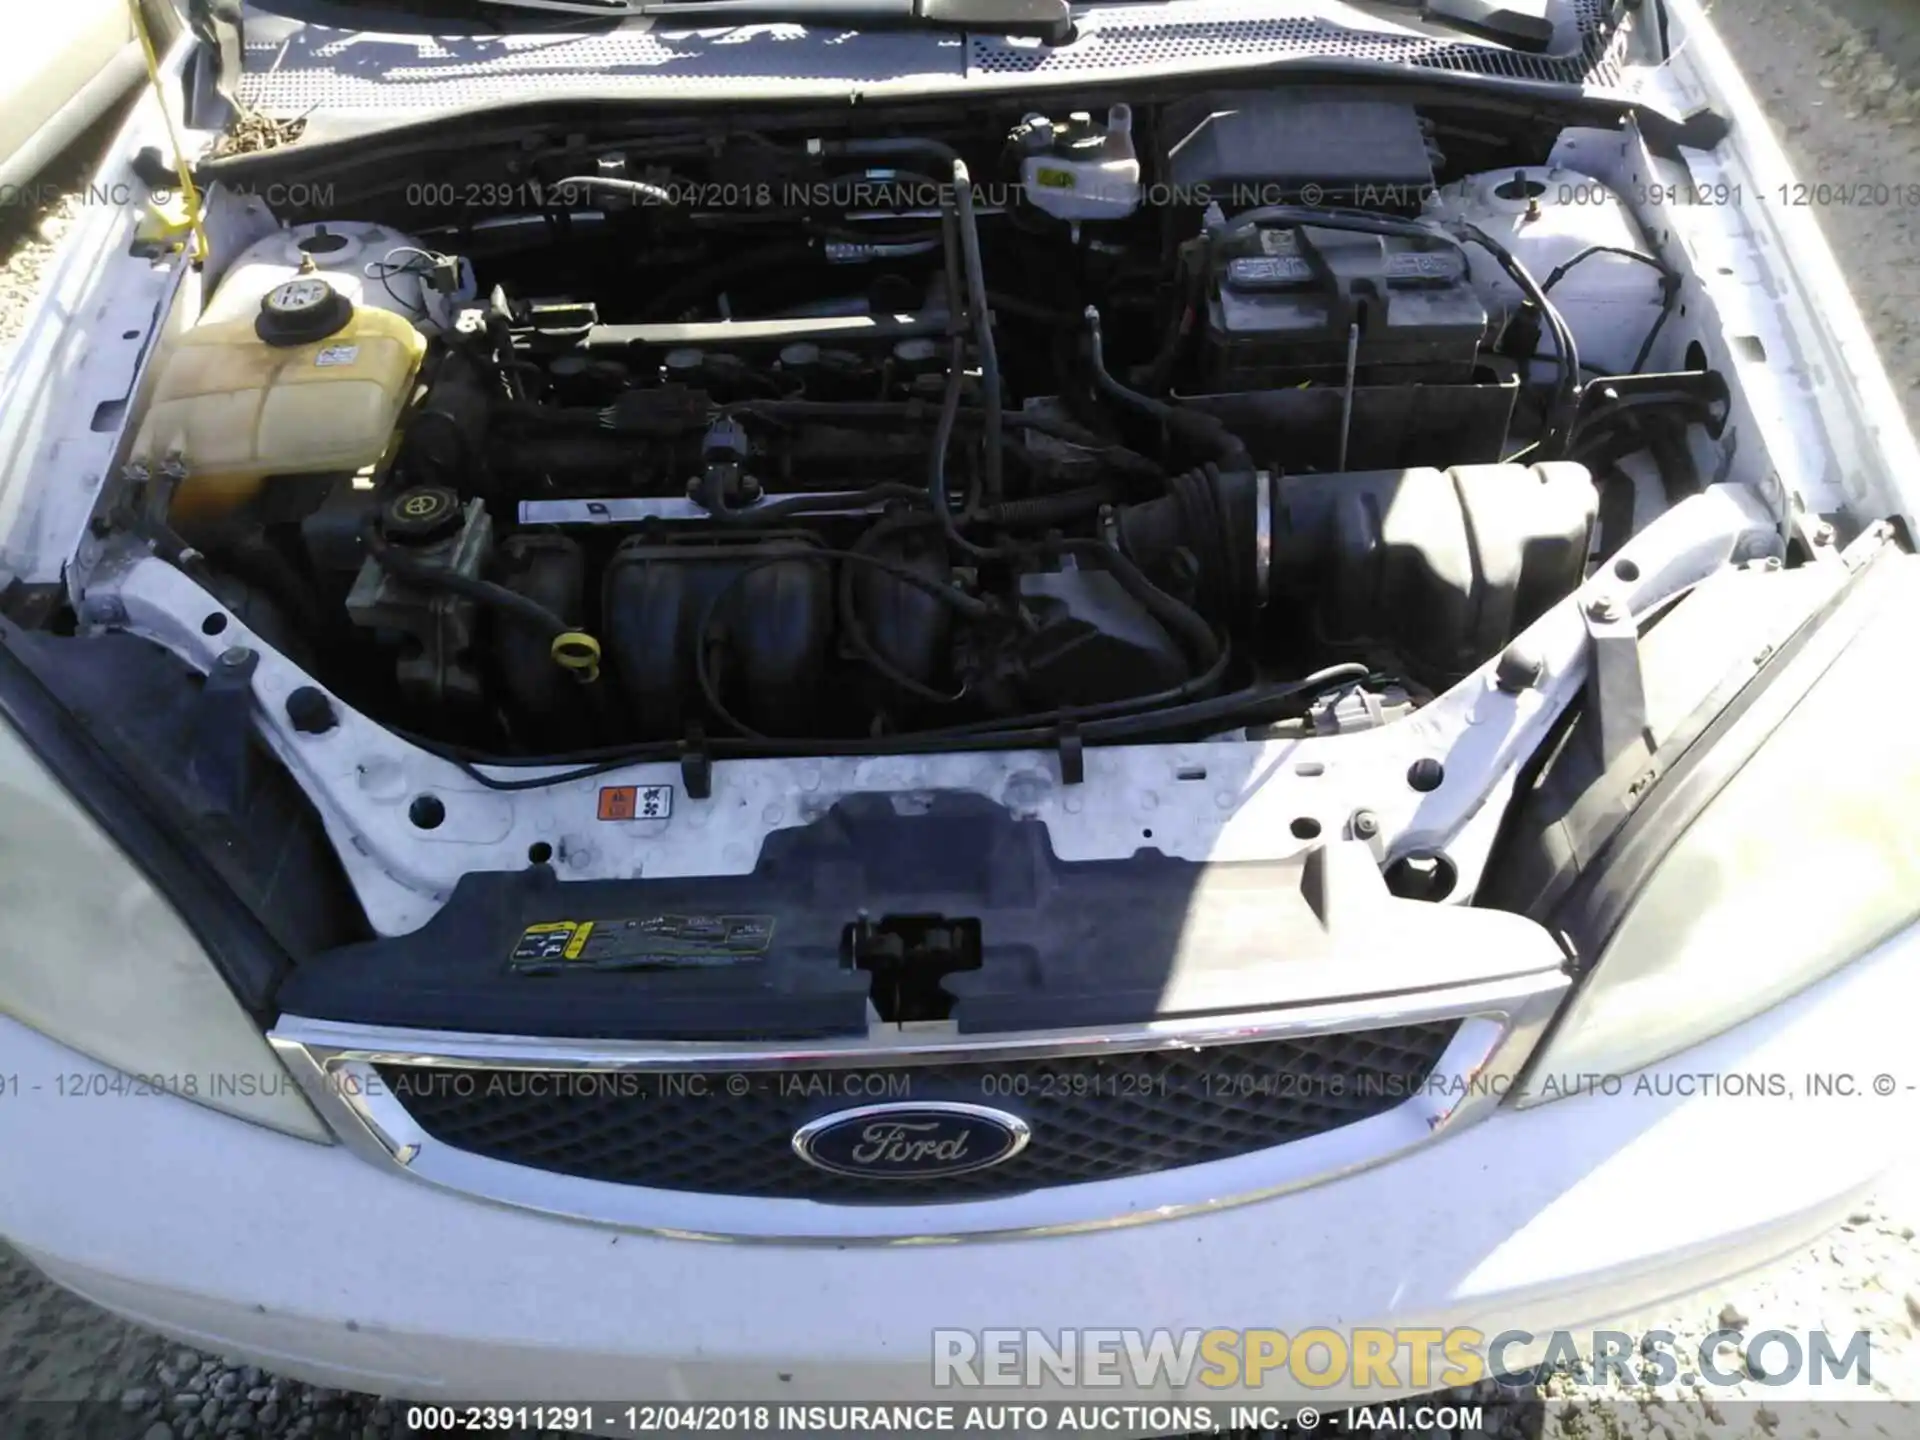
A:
[1547,216]
[1080,170]
[292,379]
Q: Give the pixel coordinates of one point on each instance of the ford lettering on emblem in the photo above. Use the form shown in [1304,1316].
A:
[910,1142]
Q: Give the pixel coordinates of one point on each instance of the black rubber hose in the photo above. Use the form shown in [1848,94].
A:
[396,561]
[1561,415]
[255,560]
[1197,429]
[1043,510]
[980,318]
[1186,690]
[937,460]
[892,147]
[979,314]
[1363,222]
[1669,297]
[1559,272]
[1200,641]
[1180,329]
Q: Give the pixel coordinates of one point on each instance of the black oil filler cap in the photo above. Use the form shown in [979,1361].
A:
[301,311]
[420,514]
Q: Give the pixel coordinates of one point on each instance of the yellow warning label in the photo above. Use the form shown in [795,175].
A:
[554,940]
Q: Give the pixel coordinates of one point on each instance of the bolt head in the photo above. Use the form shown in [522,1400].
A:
[235,657]
[1603,607]
[1366,824]
[1519,669]
[310,711]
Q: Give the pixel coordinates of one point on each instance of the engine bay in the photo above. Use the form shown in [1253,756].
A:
[1263,409]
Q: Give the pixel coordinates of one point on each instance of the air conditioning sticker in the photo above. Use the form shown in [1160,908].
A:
[651,942]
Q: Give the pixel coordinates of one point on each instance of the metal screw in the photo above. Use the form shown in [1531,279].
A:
[1823,534]
[235,657]
[1366,824]
[1603,607]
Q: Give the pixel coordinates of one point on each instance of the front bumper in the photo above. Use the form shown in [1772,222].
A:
[308,1260]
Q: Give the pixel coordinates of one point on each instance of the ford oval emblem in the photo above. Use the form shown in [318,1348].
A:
[911,1142]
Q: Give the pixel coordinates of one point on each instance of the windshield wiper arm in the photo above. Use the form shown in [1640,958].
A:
[1049,20]
[1519,24]
[1523,25]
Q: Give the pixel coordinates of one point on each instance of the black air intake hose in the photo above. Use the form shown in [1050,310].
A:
[1213,515]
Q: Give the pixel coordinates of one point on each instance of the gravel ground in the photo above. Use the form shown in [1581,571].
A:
[31,226]
[1841,80]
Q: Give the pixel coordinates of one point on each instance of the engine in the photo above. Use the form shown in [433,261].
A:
[1112,421]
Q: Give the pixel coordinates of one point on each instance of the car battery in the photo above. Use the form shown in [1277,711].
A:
[1286,304]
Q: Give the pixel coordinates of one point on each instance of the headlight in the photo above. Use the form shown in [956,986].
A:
[1807,858]
[96,958]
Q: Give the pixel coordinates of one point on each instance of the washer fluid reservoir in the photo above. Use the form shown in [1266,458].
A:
[283,375]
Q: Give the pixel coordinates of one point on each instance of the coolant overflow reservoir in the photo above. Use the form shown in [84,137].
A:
[1080,169]
[298,381]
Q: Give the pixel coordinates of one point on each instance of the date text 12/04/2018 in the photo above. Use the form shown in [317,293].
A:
[929,1418]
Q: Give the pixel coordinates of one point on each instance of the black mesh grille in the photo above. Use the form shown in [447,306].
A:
[1092,1117]
[1113,43]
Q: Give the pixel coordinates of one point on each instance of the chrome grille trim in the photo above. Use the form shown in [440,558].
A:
[1502,1020]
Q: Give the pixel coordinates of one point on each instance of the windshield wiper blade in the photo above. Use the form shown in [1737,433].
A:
[1049,20]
